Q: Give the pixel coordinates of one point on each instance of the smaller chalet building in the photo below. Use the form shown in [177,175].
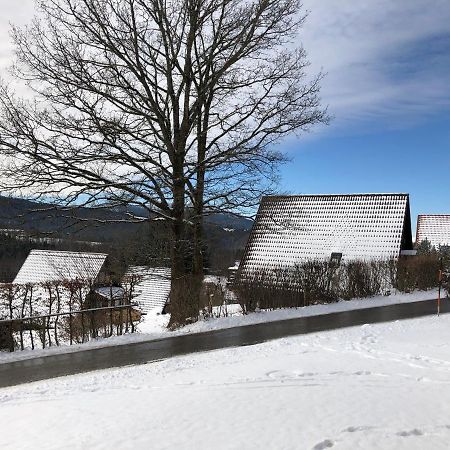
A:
[45,266]
[151,286]
[290,230]
[435,228]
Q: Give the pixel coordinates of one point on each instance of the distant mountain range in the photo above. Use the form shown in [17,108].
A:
[230,221]
[88,223]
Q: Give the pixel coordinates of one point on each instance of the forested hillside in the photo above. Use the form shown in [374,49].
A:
[26,225]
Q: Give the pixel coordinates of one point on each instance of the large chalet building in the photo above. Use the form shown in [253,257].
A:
[292,229]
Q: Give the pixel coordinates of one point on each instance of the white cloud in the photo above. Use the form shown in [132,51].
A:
[359,45]
[374,54]
[18,12]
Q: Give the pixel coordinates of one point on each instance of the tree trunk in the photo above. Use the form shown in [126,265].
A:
[198,260]
[184,299]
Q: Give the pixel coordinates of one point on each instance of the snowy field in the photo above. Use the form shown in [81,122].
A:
[383,386]
[155,325]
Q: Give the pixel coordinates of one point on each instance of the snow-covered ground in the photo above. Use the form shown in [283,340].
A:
[383,386]
[155,325]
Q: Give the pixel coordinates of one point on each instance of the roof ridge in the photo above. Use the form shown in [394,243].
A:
[371,194]
[65,252]
[433,215]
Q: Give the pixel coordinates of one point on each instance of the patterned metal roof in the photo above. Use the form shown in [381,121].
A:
[152,288]
[291,229]
[435,228]
[44,265]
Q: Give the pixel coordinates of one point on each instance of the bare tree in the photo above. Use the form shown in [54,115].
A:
[170,105]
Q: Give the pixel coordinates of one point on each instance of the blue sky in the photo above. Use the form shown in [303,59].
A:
[415,160]
[387,86]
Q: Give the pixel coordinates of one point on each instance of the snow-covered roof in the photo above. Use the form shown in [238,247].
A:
[435,228]
[152,288]
[44,265]
[111,292]
[291,229]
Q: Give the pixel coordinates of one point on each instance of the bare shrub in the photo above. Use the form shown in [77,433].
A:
[268,290]
[213,299]
[95,324]
[317,281]
[359,279]
[33,309]
[322,282]
[420,272]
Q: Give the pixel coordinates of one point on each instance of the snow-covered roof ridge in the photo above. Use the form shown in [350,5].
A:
[54,265]
[290,229]
[435,228]
[356,194]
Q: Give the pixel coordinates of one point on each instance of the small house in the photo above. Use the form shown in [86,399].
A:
[292,229]
[150,287]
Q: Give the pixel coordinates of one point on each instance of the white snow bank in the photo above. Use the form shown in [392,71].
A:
[373,386]
[155,325]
